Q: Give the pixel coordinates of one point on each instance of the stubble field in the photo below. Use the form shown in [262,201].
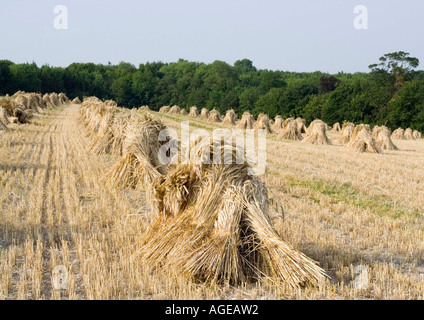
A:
[346,210]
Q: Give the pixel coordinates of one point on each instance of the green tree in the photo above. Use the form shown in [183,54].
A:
[6,77]
[271,103]
[121,87]
[271,79]
[199,93]
[244,66]
[406,109]
[52,79]
[345,103]
[296,96]
[248,98]
[144,82]
[399,64]
[26,77]
[221,79]
[313,109]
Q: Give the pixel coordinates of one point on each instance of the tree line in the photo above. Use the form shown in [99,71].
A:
[391,94]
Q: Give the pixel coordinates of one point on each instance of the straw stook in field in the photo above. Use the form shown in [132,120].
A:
[213,225]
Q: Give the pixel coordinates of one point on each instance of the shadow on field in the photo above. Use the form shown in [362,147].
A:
[10,167]
[12,234]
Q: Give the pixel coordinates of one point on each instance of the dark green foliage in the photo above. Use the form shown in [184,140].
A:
[328,84]
[391,94]
[313,109]
[52,79]
[271,103]
[26,77]
[406,109]
[6,77]
[345,103]
[297,95]
[247,99]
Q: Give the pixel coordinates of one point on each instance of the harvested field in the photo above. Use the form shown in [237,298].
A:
[339,210]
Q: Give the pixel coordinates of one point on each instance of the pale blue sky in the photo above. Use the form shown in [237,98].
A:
[293,35]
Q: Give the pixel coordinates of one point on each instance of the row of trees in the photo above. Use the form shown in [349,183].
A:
[392,93]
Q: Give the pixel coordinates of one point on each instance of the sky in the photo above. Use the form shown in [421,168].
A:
[288,35]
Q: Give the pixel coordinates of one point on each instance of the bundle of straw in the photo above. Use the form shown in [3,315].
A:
[105,124]
[409,134]
[40,103]
[3,126]
[398,134]
[230,117]
[286,122]
[46,101]
[336,127]
[317,134]
[54,99]
[213,225]
[4,116]
[111,103]
[290,131]
[21,101]
[417,135]
[118,127]
[21,115]
[204,114]
[164,109]
[144,108]
[63,99]
[362,140]
[194,112]
[214,116]
[382,138]
[7,103]
[346,133]
[102,143]
[278,124]
[17,93]
[260,115]
[246,121]
[301,125]
[76,101]
[312,124]
[139,165]
[263,123]
[175,110]
[91,113]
